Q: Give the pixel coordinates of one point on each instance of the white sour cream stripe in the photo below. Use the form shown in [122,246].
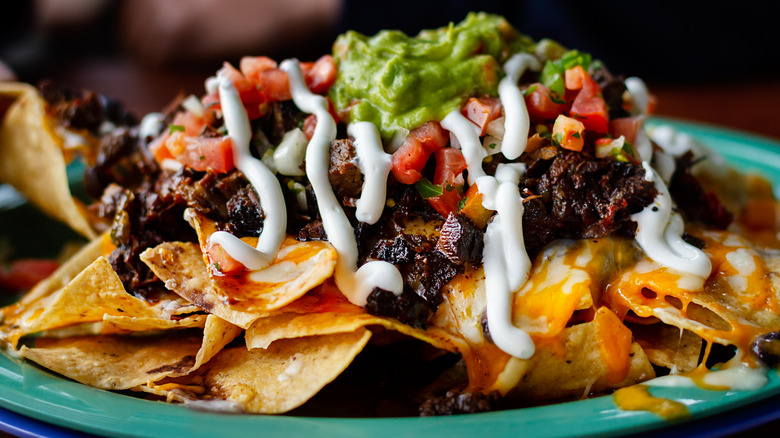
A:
[375,164]
[505,259]
[517,122]
[506,262]
[467,135]
[356,284]
[263,181]
[659,232]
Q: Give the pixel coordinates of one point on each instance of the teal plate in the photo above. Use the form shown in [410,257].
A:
[32,391]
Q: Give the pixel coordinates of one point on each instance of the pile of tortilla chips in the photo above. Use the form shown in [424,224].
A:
[269,341]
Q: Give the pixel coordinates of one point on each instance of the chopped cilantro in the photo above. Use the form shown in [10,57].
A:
[202,157]
[553,72]
[217,267]
[529,90]
[176,128]
[492,145]
[462,202]
[428,189]
[554,97]
[558,138]
[576,135]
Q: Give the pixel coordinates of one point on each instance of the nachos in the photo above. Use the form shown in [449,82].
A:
[495,199]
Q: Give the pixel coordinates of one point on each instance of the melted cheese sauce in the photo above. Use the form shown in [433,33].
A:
[638,398]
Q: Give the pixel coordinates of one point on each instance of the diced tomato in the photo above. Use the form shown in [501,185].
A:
[192,124]
[569,133]
[450,165]
[628,127]
[319,75]
[201,153]
[23,274]
[540,105]
[221,263]
[310,122]
[410,158]
[482,111]
[574,77]
[159,150]
[589,107]
[247,91]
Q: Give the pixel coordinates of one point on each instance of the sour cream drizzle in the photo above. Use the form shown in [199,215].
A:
[517,122]
[375,164]
[640,101]
[659,232]
[263,181]
[505,260]
[356,284]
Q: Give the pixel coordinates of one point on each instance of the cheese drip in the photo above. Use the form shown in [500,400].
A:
[659,232]
[262,180]
[356,284]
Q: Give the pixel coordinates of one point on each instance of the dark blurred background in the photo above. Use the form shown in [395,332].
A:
[705,61]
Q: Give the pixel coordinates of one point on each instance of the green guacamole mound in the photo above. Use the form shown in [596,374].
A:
[396,81]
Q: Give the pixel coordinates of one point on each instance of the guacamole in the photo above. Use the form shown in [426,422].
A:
[401,82]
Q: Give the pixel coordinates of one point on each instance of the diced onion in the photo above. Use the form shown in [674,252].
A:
[194,106]
[604,150]
[289,155]
[496,128]
[268,160]
[491,144]
[398,139]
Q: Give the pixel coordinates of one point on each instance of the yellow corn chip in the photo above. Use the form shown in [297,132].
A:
[238,300]
[116,362]
[32,160]
[266,381]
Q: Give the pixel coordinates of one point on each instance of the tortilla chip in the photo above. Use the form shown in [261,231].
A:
[216,335]
[115,362]
[122,325]
[580,370]
[288,325]
[95,292]
[732,306]
[239,301]
[668,346]
[32,160]
[270,381]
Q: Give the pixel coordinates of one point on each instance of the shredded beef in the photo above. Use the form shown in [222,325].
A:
[83,109]
[281,117]
[572,196]
[144,219]
[456,403]
[122,160]
[344,175]
[695,203]
[407,307]
[612,89]
[460,241]
[225,198]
